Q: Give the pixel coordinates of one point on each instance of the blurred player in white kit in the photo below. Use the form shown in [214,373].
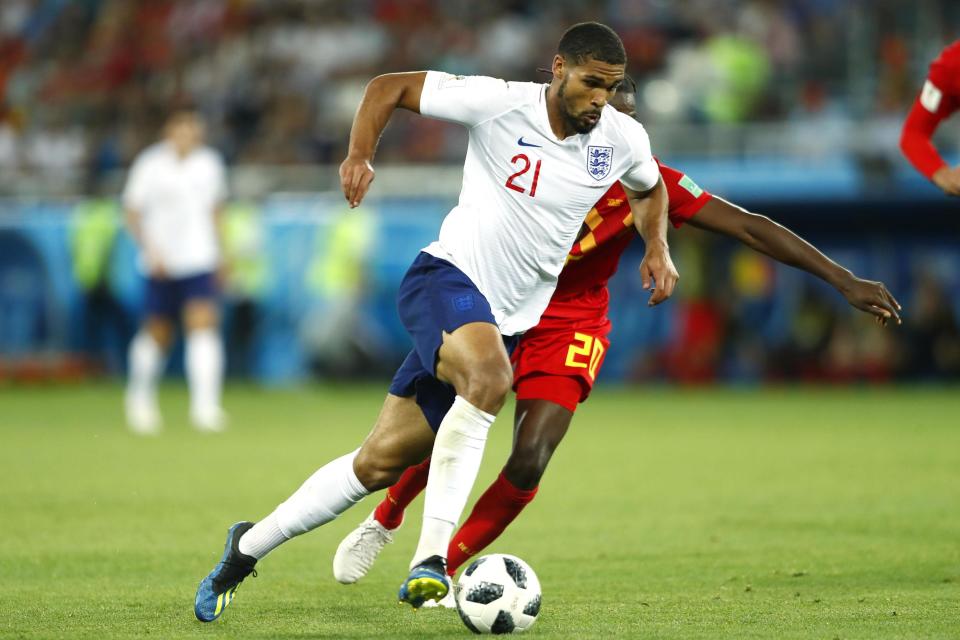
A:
[173,198]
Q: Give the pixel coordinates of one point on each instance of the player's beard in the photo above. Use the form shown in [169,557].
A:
[577,123]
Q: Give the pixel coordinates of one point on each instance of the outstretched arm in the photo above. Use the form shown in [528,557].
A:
[380,99]
[766,236]
[916,145]
[650,218]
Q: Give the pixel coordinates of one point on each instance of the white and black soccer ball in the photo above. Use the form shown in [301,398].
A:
[498,593]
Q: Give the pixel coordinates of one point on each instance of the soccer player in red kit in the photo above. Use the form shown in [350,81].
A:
[557,361]
[938,99]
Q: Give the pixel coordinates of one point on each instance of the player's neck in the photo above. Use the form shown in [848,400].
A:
[182,152]
[558,124]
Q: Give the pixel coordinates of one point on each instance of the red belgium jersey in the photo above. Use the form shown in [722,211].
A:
[558,360]
[939,98]
[607,230]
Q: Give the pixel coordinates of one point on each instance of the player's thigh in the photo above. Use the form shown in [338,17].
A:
[559,364]
[201,313]
[473,356]
[400,438]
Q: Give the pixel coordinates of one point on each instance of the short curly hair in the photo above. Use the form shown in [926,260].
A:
[592,40]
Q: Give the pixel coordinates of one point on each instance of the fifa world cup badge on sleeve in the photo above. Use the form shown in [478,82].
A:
[930,97]
[692,187]
[453,82]
[599,161]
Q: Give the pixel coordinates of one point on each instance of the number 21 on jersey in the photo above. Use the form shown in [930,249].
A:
[586,352]
[521,160]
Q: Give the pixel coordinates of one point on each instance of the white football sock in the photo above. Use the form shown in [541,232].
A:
[145,362]
[326,494]
[204,360]
[262,538]
[456,457]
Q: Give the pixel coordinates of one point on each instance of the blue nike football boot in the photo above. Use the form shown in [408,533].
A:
[427,581]
[217,590]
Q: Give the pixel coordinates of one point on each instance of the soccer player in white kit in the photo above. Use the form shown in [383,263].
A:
[538,157]
[172,198]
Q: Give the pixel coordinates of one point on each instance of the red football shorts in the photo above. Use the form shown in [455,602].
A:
[558,360]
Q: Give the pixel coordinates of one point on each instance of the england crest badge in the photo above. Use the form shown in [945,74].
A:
[599,161]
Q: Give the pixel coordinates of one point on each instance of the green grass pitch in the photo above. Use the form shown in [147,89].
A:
[665,514]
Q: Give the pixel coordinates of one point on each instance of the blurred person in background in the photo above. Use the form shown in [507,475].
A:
[54,148]
[173,198]
[938,99]
[933,335]
[245,280]
[338,337]
[94,231]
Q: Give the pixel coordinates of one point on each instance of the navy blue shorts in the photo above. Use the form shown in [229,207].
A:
[167,297]
[435,297]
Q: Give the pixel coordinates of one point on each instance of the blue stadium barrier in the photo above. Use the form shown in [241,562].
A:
[40,302]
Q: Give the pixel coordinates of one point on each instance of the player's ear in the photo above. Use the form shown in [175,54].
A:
[559,68]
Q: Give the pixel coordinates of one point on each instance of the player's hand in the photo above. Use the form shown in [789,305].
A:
[155,266]
[873,298]
[948,179]
[657,267]
[356,174]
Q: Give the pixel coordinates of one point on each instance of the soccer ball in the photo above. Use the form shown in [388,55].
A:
[498,593]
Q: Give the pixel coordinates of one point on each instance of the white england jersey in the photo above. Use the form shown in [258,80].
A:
[176,199]
[525,193]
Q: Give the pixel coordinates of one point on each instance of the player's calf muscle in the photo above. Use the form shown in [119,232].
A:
[540,428]
[400,438]
[376,474]
[382,459]
[524,469]
[379,463]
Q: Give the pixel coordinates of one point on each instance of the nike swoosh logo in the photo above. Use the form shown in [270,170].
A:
[526,144]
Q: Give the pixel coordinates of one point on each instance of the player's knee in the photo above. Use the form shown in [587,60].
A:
[161,331]
[486,386]
[201,314]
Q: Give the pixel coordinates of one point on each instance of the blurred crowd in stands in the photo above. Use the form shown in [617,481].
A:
[83,83]
[741,318]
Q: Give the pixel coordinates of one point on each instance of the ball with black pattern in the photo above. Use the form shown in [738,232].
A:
[498,593]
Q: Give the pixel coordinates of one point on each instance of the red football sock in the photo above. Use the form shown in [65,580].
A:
[494,511]
[412,482]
